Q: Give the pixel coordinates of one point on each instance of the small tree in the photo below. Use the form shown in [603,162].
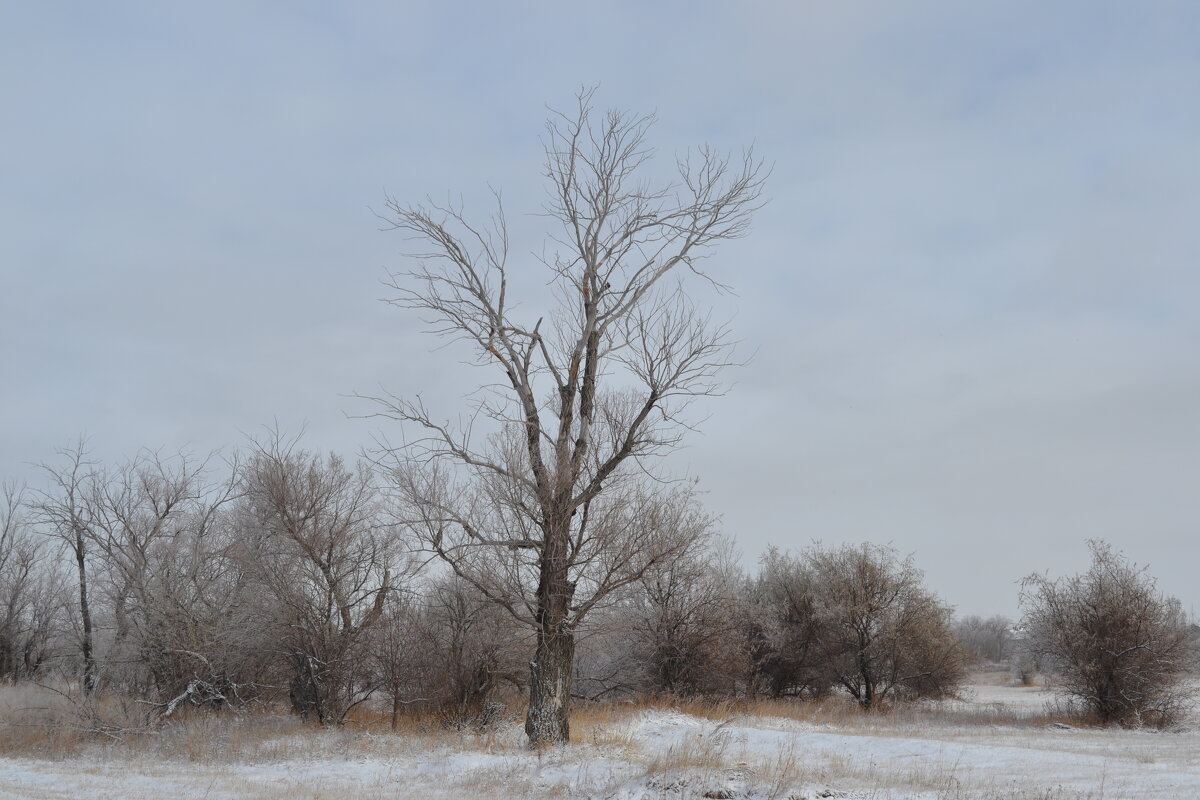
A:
[314,531]
[477,649]
[447,648]
[68,510]
[685,623]
[781,628]
[1113,641]
[880,632]
[30,590]
[398,654]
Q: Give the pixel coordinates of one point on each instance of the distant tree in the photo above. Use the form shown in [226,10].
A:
[30,590]
[781,627]
[314,531]
[477,650]
[880,633]
[187,623]
[68,511]
[399,655]
[987,639]
[445,647]
[678,630]
[610,662]
[1114,642]
[685,621]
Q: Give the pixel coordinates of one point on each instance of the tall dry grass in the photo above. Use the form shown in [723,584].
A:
[595,721]
[58,723]
[695,760]
[55,722]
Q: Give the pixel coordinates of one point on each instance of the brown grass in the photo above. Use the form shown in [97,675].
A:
[704,760]
[41,722]
[594,721]
[55,723]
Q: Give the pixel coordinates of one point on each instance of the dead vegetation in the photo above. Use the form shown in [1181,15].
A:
[42,721]
[662,746]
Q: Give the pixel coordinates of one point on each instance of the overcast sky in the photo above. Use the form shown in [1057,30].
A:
[973,300]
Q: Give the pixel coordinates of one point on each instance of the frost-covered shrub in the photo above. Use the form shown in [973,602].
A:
[1113,641]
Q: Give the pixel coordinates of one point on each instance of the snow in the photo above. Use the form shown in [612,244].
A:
[945,752]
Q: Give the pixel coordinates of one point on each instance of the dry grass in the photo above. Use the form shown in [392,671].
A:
[50,722]
[720,748]
[594,721]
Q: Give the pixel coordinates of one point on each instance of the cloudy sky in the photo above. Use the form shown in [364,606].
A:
[973,300]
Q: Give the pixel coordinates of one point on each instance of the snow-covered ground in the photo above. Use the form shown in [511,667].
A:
[993,744]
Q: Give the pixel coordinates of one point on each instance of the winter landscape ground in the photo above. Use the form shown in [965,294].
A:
[995,741]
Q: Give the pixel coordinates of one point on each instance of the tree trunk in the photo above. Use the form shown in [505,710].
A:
[553,660]
[85,614]
[550,689]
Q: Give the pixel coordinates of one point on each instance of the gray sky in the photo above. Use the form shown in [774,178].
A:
[972,299]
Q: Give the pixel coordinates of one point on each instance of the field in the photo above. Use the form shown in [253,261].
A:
[994,742]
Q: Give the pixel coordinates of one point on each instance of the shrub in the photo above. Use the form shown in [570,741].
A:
[880,631]
[781,629]
[1114,643]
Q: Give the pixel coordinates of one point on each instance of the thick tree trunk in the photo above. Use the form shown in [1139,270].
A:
[553,660]
[547,722]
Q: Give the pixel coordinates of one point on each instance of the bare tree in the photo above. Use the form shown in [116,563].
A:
[989,639]
[686,620]
[676,630]
[588,394]
[610,662]
[781,627]
[67,511]
[315,531]
[1116,643]
[475,645]
[179,604]
[880,632]
[29,590]
[398,649]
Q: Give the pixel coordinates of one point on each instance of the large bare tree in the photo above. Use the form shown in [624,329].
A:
[588,393]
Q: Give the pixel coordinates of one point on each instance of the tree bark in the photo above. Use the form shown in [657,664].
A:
[85,614]
[550,671]
[550,689]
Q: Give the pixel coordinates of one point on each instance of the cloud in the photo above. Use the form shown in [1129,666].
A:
[971,297]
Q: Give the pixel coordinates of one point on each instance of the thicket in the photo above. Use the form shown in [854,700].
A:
[283,579]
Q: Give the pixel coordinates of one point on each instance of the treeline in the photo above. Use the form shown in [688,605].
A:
[285,578]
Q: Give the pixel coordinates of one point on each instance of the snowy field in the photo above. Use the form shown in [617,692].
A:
[996,742]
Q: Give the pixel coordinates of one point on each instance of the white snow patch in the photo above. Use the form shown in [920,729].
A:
[674,755]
